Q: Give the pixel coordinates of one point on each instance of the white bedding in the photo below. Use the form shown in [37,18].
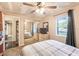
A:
[49,48]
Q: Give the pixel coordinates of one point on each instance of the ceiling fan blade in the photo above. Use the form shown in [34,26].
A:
[32,11]
[38,3]
[52,7]
[28,4]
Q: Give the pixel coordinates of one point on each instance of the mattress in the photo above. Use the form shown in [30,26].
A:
[49,48]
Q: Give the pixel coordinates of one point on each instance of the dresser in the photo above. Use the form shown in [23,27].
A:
[43,37]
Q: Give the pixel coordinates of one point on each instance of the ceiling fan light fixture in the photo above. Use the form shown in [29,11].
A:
[37,10]
[40,11]
[43,3]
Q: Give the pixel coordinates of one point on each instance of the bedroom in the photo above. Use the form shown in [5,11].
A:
[30,23]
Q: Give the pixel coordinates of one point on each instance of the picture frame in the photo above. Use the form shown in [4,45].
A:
[45,25]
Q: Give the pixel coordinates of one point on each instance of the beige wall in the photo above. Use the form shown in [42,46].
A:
[11,27]
[52,27]
[21,32]
[76,17]
[21,20]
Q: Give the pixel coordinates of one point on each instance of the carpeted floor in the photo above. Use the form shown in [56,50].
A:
[13,51]
[16,51]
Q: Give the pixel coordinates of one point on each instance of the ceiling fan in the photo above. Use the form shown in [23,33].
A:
[40,6]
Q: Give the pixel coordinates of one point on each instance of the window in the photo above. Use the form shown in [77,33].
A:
[62,22]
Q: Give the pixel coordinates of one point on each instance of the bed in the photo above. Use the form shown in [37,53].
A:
[49,48]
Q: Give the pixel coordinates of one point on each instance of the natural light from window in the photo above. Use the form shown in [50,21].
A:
[62,22]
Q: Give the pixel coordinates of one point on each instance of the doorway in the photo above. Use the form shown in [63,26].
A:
[11,33]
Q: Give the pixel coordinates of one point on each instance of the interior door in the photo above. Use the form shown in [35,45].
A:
[1,31]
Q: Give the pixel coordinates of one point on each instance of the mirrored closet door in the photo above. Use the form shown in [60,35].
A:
[11,32]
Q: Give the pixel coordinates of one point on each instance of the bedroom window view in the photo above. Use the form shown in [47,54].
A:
[62,22]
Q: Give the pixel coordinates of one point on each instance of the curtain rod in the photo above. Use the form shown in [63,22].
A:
[61,13]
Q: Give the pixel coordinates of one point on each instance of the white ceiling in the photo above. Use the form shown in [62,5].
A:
[18,7]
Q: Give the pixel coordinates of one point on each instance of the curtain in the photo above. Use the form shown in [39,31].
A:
[70,39]
[32,29]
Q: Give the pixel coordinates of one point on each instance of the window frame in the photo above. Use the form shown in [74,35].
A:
[64,14]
